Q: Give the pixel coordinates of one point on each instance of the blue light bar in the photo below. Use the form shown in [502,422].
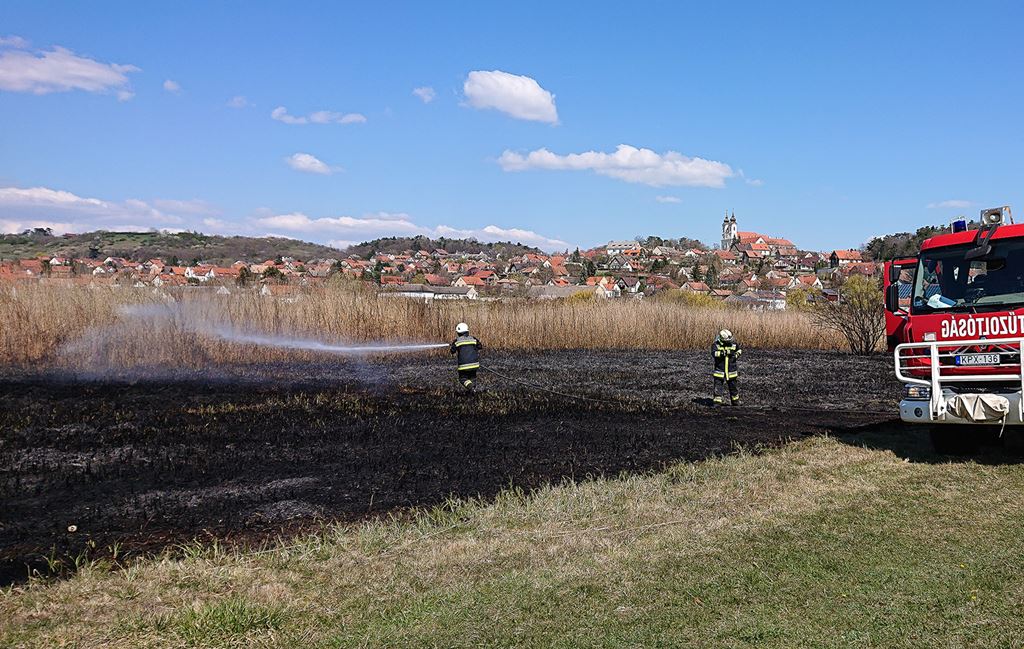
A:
[959,225]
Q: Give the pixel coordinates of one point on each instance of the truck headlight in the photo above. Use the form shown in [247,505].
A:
[917,392]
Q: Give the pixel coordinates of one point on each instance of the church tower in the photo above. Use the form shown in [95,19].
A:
[729,231]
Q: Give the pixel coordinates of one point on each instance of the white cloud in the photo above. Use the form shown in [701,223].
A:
[44,196]
[341,244]
[319,117]
[65,211]
[628,163]
[238,101]
[7,225]
[951,204]
[347,229]
[61,70]
[16,42]
[330,117]
[389,216]
[494,233]
[425,93]
[515,95]
[370,224]
[668,199]
[172,86]
[281,114]
[310,164]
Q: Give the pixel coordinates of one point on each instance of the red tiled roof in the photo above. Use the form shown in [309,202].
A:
[850,255]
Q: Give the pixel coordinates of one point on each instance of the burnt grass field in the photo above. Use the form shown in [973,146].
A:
[145,461]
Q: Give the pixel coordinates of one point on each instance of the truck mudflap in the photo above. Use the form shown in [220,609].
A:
[968,381]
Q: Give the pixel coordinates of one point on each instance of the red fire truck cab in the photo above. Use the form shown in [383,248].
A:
[955,326]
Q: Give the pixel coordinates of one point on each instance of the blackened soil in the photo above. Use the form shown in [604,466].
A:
[251,452]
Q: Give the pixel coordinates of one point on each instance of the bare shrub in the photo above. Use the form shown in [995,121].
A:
[857,315]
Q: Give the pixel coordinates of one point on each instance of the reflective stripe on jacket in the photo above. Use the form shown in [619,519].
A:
[467,349]
[726,357]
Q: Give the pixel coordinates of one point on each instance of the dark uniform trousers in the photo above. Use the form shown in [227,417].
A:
[726,372]
[467,351]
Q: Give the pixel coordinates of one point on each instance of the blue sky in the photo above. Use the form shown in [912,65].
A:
[825,124]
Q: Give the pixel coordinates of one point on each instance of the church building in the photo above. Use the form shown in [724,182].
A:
[751,246]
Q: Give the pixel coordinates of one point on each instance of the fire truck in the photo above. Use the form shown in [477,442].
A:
[955,326]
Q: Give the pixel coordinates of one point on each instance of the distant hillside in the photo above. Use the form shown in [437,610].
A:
[900,244]
[395,245]
[185,247]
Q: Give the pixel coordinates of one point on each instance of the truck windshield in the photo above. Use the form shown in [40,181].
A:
[947,281]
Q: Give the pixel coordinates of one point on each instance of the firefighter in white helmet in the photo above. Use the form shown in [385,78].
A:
[467,351]
[726,352]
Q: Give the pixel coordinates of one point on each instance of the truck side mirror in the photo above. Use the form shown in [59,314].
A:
[894,272]
[892,298]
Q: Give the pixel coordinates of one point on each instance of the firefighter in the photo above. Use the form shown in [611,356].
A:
[467,350]
[726,352]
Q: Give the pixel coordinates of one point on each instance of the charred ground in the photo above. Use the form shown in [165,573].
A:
[251,452]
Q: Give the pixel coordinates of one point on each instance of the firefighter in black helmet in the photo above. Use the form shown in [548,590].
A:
[467,350]
[726,352]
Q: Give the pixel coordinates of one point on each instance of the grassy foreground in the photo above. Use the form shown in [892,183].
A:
[820,543]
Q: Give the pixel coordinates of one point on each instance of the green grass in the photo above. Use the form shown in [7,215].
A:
[820,543]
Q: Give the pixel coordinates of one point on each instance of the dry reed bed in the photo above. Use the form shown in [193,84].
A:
[125,327]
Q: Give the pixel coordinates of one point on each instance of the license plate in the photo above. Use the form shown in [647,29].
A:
[977,359]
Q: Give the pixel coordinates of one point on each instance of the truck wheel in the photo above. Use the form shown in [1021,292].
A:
[955,440]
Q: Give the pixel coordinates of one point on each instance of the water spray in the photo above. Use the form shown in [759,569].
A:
[283,342]
[168,311]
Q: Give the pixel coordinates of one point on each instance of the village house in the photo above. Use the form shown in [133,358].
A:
[699,288]
[728,257]
[554,292]
[759,300]
[618,247]
[621,262]
[470,280]
[805,282]
[842,257]
[629,284]
[431,293]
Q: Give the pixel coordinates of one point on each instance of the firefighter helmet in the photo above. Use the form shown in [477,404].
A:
[725,335]
[462,328]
